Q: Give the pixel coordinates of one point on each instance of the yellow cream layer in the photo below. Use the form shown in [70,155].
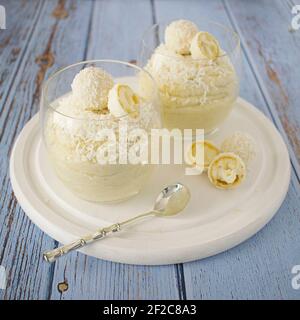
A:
[194,93]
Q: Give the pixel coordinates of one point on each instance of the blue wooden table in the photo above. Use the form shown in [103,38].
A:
[42,36]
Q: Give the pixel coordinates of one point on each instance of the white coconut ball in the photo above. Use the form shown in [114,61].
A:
[179,35]
[241,144]
[90,88]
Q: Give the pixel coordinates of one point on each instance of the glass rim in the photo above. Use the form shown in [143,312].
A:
[229,30]
[63,69]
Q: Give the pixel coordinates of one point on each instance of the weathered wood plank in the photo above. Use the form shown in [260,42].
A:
[260,267]
[21,19]
[117,28]
[58,39]
[90,278]
[116,31]
[276,64]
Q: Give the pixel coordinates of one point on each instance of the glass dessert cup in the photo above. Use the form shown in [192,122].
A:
[73,141]
[194,93]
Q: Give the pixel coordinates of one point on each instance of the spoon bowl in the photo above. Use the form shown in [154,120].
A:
[172,200]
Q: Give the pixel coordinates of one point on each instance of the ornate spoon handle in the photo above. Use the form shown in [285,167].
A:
[52,255]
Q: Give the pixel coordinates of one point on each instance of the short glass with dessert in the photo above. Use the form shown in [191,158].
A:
[196,68]
[84,108]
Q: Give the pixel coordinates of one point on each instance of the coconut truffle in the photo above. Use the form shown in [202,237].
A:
[179,35]
[241,144]
[90,88]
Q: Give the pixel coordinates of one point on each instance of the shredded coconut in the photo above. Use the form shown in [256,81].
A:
[241,144]
[78,131]
[179,34]
[184,81]
[90,88]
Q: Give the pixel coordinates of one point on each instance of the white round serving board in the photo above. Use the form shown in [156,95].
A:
[214,221]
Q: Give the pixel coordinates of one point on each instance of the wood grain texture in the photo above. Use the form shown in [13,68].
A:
[90,278]
[21,19]
[276,65]
[48,48]
[260,267]
[116,30]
